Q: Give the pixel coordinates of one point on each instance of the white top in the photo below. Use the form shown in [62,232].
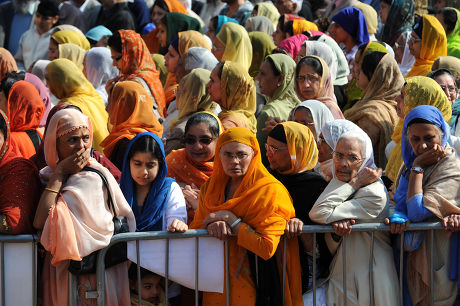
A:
[175,207]
[32,46]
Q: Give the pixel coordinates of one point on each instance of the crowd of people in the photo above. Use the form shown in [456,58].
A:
[249,119]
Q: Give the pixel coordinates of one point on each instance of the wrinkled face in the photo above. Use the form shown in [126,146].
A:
[448,86]
[157,14]
[218,48]
[236,158]
[213,86]
[308,82]
[150,288]
[161,35]
[268,81]
[200,143]
[384,9]
[285,6]
[415,44]
[362,81]
[53,50]
[144,168]
[278,155]
[324,150]
[337,32]
[400,103]
[422,137]
[278,35]
[116,59]
[303,116]
[347,158]
[171,59]
[73,142]
[44,23]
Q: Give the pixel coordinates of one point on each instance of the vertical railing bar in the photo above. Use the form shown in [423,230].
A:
[3,272]
[34,273]
[227,271]
[401,269]
[257,270]
[73,294]
[167,270]
[371,269]
[431,267]
[138,272]
[101,282]
[314,269]
[196,271]
[344,258]
[284,266]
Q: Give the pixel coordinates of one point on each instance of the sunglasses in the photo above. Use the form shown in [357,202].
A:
[192,140]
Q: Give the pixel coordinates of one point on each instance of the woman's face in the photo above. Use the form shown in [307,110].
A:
[278,155]
[200,143]
[355,66]
[213,86]
[161,35]
[73,142]
[399,48]
[422,137]
[268,81]
[347,158]
[171,59]
[53,50]
[116,59]
[338,33]
[384,9]
[324,150]
[157,14]
[278,35]
[415,44]
[303,116]
[236,158]
[448,86]
[144,168]
[211,33]
[218,48]
[400,103]
[308,82]
[302,53]
[362,81]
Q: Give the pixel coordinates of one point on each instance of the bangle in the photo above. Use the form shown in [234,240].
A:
[51,190]
[237,221]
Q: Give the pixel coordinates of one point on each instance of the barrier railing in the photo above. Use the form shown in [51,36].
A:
[99,294]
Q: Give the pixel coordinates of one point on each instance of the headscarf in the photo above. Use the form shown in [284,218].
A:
[130,113]
[68,27]
[71,37]
[450,63]
[418,90]
[7,63]
[25,109]
[293,44]
[197,57]
[262,45]
[137,63]
[269,10]
[400,19]
[370,15]
[301,146]
[175,6]
[286,91]
[237,44]
[6,151]
[73,53]
[193,96]
[44,93]
[99,69]
[238,94]
[299,26]
[343,69]
[149,216]
[221,20]
[408,59]
[322,50]
[320,113]
[159,61]
[39,69]
[434,45]
[177,22]
[260,24]
[353,22]
[68,84]
[453,40]
[98,32]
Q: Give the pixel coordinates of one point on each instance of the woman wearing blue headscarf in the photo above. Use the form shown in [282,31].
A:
[216,24]
[428,189]
[156,200]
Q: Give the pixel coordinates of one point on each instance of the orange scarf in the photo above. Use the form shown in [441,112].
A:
[185,170]
[7,63]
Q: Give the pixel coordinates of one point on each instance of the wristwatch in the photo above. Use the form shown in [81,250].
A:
[417,169]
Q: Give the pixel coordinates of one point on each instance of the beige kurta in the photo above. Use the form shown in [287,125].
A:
[340,201]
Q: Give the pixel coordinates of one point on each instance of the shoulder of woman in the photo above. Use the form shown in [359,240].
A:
[450,164]
[376,189]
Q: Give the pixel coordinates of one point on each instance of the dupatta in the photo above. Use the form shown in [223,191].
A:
[453,40]
[262,45]
[400,19]
[71,37]
[238,47]
[269,10]
[7,63]
[73,53]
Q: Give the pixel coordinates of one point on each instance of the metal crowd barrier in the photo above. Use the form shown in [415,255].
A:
[313,229]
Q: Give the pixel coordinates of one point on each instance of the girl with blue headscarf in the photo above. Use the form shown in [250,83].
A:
[428,189]
[156,200]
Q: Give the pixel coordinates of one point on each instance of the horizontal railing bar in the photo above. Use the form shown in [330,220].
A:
[18,238]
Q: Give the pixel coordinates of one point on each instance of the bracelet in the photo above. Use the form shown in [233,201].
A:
[51,190]
[237,221]
[417,169]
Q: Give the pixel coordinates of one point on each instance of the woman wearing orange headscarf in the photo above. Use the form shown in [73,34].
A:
[242,197]
[24,109]
[7,63]
[130,113]
[132,58]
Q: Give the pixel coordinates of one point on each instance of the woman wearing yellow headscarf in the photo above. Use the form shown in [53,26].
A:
[71,37]
[73,53]
[70,86]
[232,87]
[232,43]
[267,9]
[299,26]
[256,207]
[417,91]
[371,17]
[428,42]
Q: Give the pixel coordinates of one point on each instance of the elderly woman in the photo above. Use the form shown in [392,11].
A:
[428,189]
[357,194]
[73,215]
[241,197]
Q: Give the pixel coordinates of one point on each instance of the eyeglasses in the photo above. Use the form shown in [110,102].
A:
[449,89]
[272,150]
[310,78]
[350,159]
[240,156]
[189,140]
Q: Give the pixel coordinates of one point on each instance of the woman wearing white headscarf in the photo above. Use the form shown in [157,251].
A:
[318,48]
[98,69]
[312,113]
[356,194]
[197,57]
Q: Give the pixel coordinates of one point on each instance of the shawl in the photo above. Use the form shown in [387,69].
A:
[320,113]
[237,44]
[197,57]
[44,93]
[353,22]
[99,69]
[159,61]
[71,37]
[326,90]
[313,47]
[370,15]
[293,44]
[343,70]
[450,63]
[299,26]
[39,69]
[418,91]
[269,10]
[377,108]
[98,32]
[149,216]
[453,40]
[221,20]
[301,146]
[407,60]
[262,45]
[260,24]
[130,113]
[7,63]
[137,63]
[25,109]
[177,22]
[335,6]
[68,84]
[239,96]
[400,19]
[434,45]
[73,53]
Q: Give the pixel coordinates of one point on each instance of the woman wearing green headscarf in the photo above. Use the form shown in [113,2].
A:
[173,23]
[450,20]
[267,9]
[263,45]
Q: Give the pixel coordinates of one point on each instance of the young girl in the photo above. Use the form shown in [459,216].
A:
[157,201]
